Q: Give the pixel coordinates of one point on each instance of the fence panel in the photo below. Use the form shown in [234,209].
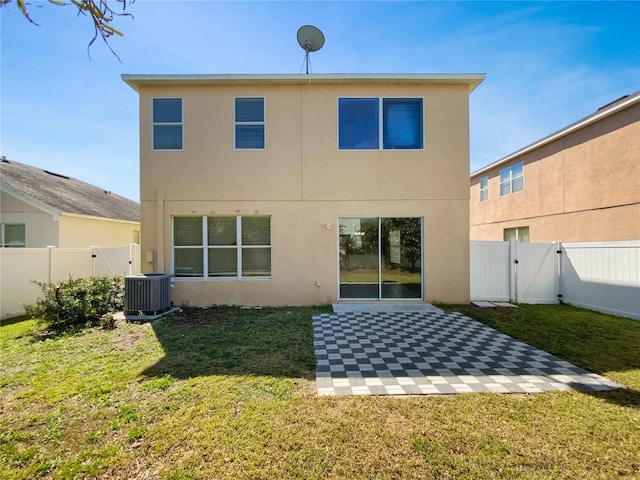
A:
[602,276]
[490,271]
[19,266]
[70,263]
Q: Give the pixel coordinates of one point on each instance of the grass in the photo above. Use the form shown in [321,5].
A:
[230,393]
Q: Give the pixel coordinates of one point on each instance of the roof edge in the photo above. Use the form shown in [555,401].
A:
[25,197]
[472,80]
[603,112]
[102,219]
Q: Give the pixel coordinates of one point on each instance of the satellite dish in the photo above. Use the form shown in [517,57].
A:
[311,39]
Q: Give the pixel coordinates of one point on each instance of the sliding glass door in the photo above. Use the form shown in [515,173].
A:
[380,258]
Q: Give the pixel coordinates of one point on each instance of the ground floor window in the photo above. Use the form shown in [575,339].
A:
[12,235]
[222,247]
[380,258]
[519,234]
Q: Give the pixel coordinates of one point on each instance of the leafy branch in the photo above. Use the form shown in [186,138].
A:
[100,11]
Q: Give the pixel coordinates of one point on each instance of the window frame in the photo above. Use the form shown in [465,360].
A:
[512,178]
[519,231]
[3,235]
[381,123]
[205,247]
[263,123]
[484,189]
[160,124]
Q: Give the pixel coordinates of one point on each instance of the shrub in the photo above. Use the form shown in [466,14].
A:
[77,301]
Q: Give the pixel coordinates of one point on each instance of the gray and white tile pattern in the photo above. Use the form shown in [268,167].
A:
[418,353]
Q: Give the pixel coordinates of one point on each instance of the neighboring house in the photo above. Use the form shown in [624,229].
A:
[579,184]
[39,208]
[306,189]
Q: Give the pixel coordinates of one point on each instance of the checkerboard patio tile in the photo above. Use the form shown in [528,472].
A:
[425,353]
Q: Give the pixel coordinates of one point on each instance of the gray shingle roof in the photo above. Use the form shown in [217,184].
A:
[67,194]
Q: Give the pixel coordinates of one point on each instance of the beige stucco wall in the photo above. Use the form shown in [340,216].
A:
[78,231]
[581,187]
[41,229]
[304,182]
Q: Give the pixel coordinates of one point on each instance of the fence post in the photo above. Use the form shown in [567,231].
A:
[50,249]
[558,247]
[93,260]
[513,271]
[130,259]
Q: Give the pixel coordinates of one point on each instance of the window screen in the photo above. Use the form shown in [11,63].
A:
[13,236]
[402,123]
[167,123]
[380,123]
[249,123]
[234,247]
[358,124]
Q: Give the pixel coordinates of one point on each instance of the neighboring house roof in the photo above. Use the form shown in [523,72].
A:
[472,80]
[603,112]
[64,194]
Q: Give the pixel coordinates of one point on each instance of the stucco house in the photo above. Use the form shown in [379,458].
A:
[40,208]
[579,184]
[306,189]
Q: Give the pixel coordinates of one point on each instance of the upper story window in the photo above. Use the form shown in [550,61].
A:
[222,247]
[380,124]
[12,236]
[484,189]
[167,124]
[512,179]
[249,123]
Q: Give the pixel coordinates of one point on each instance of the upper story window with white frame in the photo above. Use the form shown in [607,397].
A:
[380,123]
[13,235]
[167,124]
[232,247]
[249,122]
[512,179]
[484,189]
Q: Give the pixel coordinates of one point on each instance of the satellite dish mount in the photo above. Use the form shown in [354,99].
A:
[311,39]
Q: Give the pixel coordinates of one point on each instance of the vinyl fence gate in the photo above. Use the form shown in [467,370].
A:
[603,276]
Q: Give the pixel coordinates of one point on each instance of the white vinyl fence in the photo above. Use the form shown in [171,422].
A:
[599,276]
[19,266]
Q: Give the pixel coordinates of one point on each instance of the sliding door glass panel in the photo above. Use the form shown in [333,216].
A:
[401,257]
[359,258]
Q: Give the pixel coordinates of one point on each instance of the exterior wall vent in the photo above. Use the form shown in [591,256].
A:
[147,294]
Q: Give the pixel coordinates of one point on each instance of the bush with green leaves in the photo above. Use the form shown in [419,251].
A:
[77,301]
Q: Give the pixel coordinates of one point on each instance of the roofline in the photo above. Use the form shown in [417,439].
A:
[55,212]
[472,80]
[25,197]
[582,123]
[102,219]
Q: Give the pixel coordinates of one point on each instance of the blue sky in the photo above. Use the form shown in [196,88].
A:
[548,64]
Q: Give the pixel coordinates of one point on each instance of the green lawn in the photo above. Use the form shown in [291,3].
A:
[230,393]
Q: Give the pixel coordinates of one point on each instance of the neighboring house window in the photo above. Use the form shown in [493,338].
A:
[167,124]
[519,234]
[484,189]
[249,123]
[136,236]
[12,236]
[222,247]
[380,124]
[512,179]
